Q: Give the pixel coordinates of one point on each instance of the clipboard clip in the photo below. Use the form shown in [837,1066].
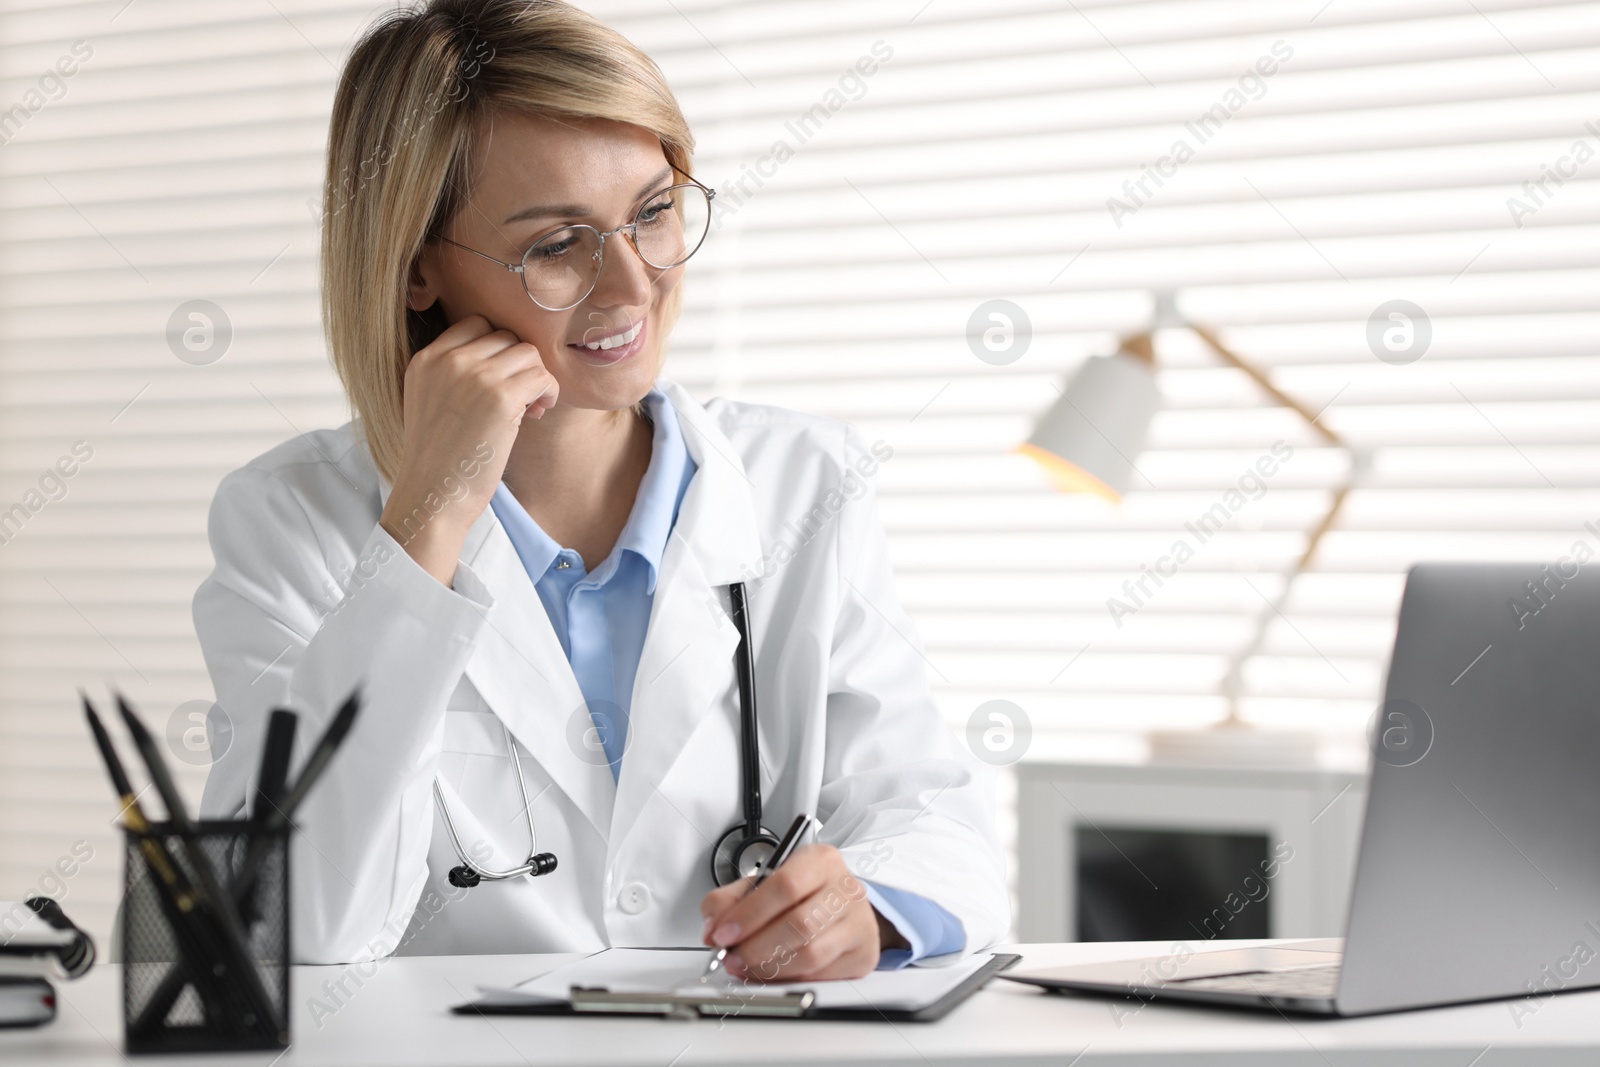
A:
[600,1000]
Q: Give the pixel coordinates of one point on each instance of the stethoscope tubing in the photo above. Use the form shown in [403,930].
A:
[744,665]
[527,810]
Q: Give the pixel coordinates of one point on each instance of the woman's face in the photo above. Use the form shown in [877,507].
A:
[534,175]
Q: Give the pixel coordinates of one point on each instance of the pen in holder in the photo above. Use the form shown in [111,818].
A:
[199,974]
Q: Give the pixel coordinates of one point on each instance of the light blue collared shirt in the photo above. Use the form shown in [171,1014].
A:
[601,619]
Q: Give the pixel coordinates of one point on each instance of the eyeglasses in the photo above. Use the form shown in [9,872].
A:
[561,268]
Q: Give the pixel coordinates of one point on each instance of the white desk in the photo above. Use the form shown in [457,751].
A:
[400,1018]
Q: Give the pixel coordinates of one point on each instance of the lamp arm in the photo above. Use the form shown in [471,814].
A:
[1266,385]
[1232,682]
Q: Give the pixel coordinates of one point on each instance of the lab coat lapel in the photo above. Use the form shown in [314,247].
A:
[687,658]
[519,670]
[686,661]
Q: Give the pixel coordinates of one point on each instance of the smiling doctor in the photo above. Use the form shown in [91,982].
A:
[537,558]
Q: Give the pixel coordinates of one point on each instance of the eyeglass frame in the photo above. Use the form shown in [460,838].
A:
[632,226]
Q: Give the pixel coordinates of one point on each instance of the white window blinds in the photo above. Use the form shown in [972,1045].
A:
[173,166]
[1290,169]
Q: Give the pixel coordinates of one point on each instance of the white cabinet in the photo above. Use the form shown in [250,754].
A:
[1310,819]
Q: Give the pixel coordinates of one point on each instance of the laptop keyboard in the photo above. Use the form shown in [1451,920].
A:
[1310,982]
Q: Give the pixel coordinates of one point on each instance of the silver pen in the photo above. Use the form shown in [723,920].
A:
[786,847]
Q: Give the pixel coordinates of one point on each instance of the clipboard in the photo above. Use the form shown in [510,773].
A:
[793,1005]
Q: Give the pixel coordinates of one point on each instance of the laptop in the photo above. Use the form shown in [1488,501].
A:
[1478,874]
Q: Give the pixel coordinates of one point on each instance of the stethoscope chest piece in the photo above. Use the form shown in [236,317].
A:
[740,853]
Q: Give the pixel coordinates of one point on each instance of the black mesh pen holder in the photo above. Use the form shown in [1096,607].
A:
[198,976]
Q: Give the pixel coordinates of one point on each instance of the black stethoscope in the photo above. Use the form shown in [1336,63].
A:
[738,853]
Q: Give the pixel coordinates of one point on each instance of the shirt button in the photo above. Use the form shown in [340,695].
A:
[634,898]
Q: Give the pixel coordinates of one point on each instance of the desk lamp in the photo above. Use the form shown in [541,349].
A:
[1087,441]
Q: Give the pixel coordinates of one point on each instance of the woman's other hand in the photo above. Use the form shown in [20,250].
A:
[466,395]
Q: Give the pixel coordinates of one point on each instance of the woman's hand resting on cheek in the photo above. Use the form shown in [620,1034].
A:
[466,395]
[810,919]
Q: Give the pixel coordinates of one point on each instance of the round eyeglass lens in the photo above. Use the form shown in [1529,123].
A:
[672,224]
[561,268]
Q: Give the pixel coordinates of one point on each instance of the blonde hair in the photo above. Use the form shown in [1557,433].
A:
[413,94]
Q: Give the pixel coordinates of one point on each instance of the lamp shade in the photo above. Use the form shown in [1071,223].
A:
[1088,439]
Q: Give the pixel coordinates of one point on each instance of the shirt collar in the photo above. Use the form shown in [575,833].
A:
[649,523]
[660,491]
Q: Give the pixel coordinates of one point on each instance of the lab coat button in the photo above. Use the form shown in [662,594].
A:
[634,898]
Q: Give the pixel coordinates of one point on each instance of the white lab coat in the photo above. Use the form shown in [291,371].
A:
[310,595]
